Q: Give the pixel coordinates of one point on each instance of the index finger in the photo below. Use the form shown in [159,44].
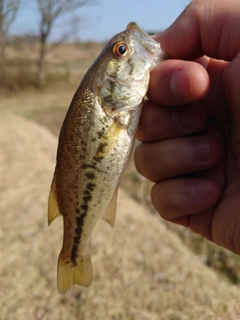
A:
[205,27]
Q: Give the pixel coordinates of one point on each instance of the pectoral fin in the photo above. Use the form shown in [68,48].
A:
[110,214]
[53,211]
[109,141]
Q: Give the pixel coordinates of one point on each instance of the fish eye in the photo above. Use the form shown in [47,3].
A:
[120,49]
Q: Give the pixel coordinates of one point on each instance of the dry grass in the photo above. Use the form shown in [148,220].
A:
[62,64]
[142,270]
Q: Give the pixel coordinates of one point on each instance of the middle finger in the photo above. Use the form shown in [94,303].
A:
[158,123]
[165,159]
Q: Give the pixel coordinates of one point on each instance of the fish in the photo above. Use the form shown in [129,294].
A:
[95,143]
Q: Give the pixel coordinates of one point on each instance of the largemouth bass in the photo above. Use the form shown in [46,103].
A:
[94,146]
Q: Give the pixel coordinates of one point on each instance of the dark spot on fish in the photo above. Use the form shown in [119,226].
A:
[87,198]
[131,66]
[74,254]
[102,147]
[116,71]
[91,166]
[84,207]
[100,134]
[98,158]
[90,186]
[85,166]
[108,99]
[100,152]
[76,239]
[79,221]
[104,120]
[90,175]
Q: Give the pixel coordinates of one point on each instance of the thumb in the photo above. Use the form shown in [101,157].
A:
[205,27]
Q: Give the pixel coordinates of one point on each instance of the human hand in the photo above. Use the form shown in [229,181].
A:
[190,127]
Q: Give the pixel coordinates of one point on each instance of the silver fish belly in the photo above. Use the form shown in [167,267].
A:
[95,144]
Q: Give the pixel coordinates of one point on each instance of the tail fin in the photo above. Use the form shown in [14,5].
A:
[69,274]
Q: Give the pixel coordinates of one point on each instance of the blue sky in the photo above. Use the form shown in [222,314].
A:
[102,21]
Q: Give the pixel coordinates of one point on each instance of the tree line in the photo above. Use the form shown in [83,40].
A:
[49,11]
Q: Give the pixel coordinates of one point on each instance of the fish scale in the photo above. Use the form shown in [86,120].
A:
[95,143]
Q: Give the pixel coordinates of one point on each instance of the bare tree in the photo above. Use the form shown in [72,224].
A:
[8,11]
[50,11]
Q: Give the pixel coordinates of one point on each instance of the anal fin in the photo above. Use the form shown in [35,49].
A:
[110,214]
[53,211]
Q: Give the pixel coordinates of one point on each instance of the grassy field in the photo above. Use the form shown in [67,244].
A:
[144,268]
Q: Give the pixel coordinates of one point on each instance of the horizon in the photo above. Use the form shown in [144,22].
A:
[95,24]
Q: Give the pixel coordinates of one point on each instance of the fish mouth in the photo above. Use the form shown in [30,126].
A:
[147,42]
[144,39]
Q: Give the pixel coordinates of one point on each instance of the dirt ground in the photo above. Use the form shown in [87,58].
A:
[141,269]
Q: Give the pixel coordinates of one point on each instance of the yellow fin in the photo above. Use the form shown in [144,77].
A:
[110,214]
[69,274]
[53,211]
[109,140]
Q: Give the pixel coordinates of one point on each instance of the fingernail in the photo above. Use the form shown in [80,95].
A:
[202,190]
[201,150]
[180,84]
